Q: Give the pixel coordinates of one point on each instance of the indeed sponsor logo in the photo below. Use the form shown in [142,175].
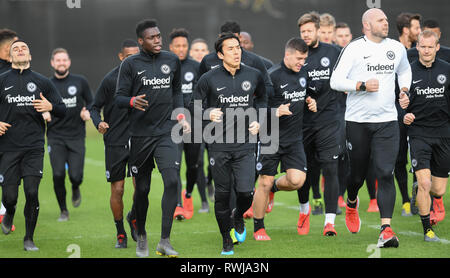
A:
[319,73]
[294,95]
[70,102]
[155,81]
[428,91]
[233,99]
[20,99]
[187,88]
[380,67]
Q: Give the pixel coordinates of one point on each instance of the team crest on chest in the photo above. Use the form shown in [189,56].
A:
[72,90]
[390,54]
[441,78]
[188,76]
[246,85]
[165,69]
[325,62]
[31,87]
[302,81]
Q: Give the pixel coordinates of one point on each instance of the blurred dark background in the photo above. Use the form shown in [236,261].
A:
[93,33]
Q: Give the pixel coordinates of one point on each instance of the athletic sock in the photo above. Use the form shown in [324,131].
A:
[119,227]
[384,227]
[258,224]
[274,186]
[304,208]
[351,205]
[425,222]
[329,218]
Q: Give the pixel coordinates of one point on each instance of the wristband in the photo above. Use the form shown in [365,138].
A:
[180,117]
[132,101]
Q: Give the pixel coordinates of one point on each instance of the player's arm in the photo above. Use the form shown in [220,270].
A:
[123,96]
[88,100]
[50,101]
[404,75]
[339,80]
[99,103]
[259,65]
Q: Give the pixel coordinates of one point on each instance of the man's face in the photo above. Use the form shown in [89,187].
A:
[326,34]
[20,53]
[309,33]
[61,63]
[151,40]
[231,55]
[5,48]
[180,46]
[414,30]
[379,26]
[437,30]
[343,36]
[427,48]
[128,51]
[294,59]
[246,42]
[198,51]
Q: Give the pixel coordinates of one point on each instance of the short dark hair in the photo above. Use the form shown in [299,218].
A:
[128,43]
[59,50]
[181,32]
[404,20]
[222,37]
[431,23]
[145,24]
[7,35]
[230,26]
[197,40]
[313,17]
[342,25]
[298,44]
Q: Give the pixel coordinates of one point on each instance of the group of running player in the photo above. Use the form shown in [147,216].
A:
[335,107]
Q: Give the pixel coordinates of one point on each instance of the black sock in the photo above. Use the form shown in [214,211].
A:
[437,197]
[188,195]
[351,205]
[425,222]
[119,227]
[274,186]
[258,224]
[384,226]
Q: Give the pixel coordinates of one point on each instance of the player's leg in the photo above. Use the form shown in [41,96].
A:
[31,210]
[371,183]
[58,154]
[401,174]
[75,161]
[385,143]
[179,213]
[9,181]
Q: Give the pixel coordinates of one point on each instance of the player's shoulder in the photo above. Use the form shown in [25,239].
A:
[192,63]
[250,70]
[77,76]
[442,63]
[167,54]
[274,70]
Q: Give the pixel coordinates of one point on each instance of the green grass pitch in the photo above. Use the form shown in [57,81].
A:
[90,232]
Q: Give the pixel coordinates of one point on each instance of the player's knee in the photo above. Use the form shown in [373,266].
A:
[438,191]
[221,202]
[117,189]
[247,196]
[265,182]
[58,178]
[296,180]
[76,180]
[424,185]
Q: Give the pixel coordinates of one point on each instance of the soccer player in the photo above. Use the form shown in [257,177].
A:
[66,136]
[179,45]
[366,69]
[327,28]
[114,128]
[428,120]
[24,96]
[343,34]
[321,129]
[225,91]
[199,49]
[247,44]
[150,84]
[408,26]
[6,38]
[289,98]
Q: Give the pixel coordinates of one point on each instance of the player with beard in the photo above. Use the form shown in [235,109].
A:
[179,45]
[150,84]
[367,70]
[24,96]
[114,128]
[66,136]
[322,130]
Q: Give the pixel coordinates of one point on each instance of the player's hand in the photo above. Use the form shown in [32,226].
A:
[254,128]
[140,102]
[312,104]
[215,115]
[403,100]
[409,118]
[103,127]
[42,105]
[283,110]
[186,126]
[372,85]
[4,127]
[85,114]
[47,117]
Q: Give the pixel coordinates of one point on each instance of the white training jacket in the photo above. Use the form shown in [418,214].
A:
[361,60]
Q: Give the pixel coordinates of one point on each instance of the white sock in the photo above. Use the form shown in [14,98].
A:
[2,210]
[329,218]
[304,208]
